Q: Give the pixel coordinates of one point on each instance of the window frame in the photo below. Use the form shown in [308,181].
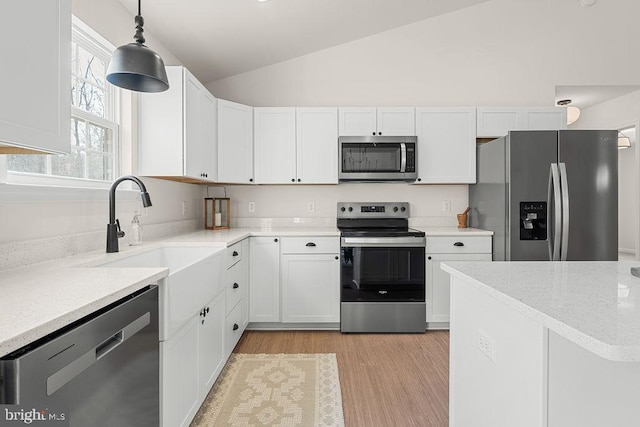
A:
[98,46]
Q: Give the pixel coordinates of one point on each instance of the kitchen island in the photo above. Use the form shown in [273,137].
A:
[544,344]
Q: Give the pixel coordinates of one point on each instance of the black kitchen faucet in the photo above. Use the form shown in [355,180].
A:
[114,232]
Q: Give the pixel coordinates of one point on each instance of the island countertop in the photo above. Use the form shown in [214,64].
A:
[593,304]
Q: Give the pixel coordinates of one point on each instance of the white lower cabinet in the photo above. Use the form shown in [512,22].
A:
[264,272]
[236,282]
[191,362]
[310,288]
[448,248]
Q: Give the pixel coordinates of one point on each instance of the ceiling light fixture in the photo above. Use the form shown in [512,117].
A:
[573,113]
[136,67]
[623,141]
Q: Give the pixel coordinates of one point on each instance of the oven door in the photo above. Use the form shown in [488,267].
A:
[382,269]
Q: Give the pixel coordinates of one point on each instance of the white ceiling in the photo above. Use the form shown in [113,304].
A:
[220,38]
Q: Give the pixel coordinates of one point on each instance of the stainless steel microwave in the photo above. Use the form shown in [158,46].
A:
[377,158]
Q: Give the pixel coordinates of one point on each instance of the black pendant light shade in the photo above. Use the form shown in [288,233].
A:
[136,67]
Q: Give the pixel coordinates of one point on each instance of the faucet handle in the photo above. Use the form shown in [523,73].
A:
[120,232]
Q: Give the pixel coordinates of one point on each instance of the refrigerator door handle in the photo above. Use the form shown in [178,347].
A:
[554,187]
[564,185]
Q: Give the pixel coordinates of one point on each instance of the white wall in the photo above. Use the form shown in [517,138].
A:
[502,52]
[290,201]
[620,113]
[28,217]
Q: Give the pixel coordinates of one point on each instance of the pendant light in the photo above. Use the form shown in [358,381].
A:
[623,141]
[136,67]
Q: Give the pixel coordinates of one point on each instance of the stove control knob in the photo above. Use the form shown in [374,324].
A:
[395,209]
[342,209]
[402,209]
[350,209]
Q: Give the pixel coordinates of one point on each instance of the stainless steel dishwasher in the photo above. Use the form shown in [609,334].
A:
[103,370]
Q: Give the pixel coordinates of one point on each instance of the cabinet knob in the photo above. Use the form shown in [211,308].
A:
[235,326]
[373,133]
[419,179]
[458,244]
[299,180]
[293,180]
[310,245]
[206,175]
[379,133]
[207,309]
[428,257]
[275,240]
[337,257]
[250,179]
[236,286]
[234,253]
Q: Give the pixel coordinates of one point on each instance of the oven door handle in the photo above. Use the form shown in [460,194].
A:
[383,242]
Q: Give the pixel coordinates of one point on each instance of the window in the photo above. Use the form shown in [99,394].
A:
[94,129]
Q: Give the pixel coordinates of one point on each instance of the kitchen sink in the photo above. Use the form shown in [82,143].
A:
[195,278]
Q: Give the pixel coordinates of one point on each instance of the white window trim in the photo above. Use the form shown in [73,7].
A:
[20,186]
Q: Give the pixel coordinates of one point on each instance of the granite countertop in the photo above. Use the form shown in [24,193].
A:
[593,304]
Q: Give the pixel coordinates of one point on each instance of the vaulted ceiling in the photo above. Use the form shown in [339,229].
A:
[221,38]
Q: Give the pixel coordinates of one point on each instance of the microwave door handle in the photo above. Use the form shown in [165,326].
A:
[403,157]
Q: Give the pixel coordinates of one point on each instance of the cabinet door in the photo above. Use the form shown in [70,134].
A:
[235,142]
[446,145]
[36,77]
[310,288]
[180,393]
[264,274]
[495,122]
[193,127]
[275,145]
[211,356]
[438,286]
[317,145]
[544,118]
[396,121]
[160,142]
[357,121]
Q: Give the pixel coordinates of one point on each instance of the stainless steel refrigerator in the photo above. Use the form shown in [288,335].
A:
[549,195]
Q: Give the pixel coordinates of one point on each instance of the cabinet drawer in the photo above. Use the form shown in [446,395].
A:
[234,285]
[310,245]
[233,254]
[459,245]
[233,329]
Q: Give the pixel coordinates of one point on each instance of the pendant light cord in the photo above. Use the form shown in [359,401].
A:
[138,37]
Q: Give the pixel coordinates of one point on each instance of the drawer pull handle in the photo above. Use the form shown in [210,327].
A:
[234,253]
[310,244]
[236,286]
[458,244]
[235,326]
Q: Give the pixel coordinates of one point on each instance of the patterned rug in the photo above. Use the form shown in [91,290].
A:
[275,390]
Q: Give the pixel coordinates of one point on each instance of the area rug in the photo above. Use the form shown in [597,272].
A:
[275,390]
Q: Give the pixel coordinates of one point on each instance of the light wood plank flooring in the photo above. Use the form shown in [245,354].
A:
[386,379]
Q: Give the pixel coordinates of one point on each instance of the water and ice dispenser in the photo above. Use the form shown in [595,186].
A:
[533,220]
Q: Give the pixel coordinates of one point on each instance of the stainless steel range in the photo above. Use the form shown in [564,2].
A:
[382,269]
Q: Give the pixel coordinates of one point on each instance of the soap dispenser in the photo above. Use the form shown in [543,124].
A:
[136,231]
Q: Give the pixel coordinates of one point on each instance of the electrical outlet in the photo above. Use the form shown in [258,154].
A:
[252,207]
[446,206]
[486,345]
[311,206]
[184,207]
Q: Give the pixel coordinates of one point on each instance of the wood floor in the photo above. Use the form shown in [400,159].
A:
[386,380]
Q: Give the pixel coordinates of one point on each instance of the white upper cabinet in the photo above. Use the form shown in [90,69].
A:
[35,111]
[396,121]
[275,145]
[446,145]
[177,130]
[355,121]
[235,143]
[390,121]
[317,145]
[495,122]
